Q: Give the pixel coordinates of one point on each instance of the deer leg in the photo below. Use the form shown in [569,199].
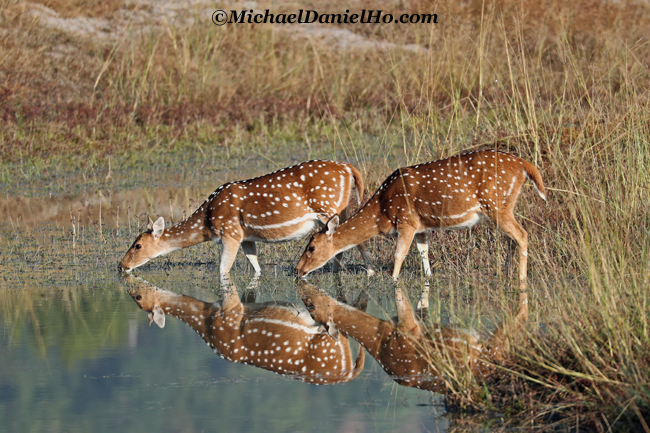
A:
[338,265]
[422,242]
[366,259]
[251,254]
[512,228]
[228,254]
[404,239]
[507,267]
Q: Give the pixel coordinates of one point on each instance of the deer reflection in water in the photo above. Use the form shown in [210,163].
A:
[407,350]
[279,337]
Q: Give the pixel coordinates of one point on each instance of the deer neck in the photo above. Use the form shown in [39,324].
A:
[189,232]
[365,224]
[369,331]
[193,312]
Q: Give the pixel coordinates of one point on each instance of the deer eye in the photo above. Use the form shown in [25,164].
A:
[311,249]
[138,246]
[138,298]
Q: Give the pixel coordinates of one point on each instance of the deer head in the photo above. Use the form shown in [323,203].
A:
[320,249]
[145,247]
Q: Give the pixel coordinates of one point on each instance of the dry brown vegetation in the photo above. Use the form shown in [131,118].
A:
[563,84]
[505,68]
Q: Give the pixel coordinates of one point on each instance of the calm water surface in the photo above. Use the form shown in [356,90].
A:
[76,353]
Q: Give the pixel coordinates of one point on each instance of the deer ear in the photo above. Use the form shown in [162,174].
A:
[332,225]
[150,223]
[333,330]
[157,315]
[158,227]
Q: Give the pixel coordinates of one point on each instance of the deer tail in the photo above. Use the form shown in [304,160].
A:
[358,183]
[535,176]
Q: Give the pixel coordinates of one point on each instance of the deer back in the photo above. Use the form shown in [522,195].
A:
[283,205]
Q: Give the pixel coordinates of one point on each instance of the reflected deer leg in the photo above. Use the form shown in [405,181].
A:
[512,228]
[340,294]
[231,301]
[407,321]
[361,303]
[248,295]
[423,303]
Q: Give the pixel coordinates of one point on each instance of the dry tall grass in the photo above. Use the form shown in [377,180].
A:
[563,84]
[490,70]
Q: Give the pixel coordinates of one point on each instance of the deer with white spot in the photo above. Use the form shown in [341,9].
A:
[451,193]
[406,349]
[282,206]
[279,337]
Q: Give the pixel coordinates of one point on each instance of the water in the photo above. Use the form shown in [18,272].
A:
[77,354]
[93,365]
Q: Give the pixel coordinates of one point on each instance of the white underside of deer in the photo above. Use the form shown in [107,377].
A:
[282,206]
[451,193]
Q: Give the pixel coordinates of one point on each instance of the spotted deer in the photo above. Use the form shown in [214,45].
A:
[281,206]
[279,337]
[407,350]
[451,193]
